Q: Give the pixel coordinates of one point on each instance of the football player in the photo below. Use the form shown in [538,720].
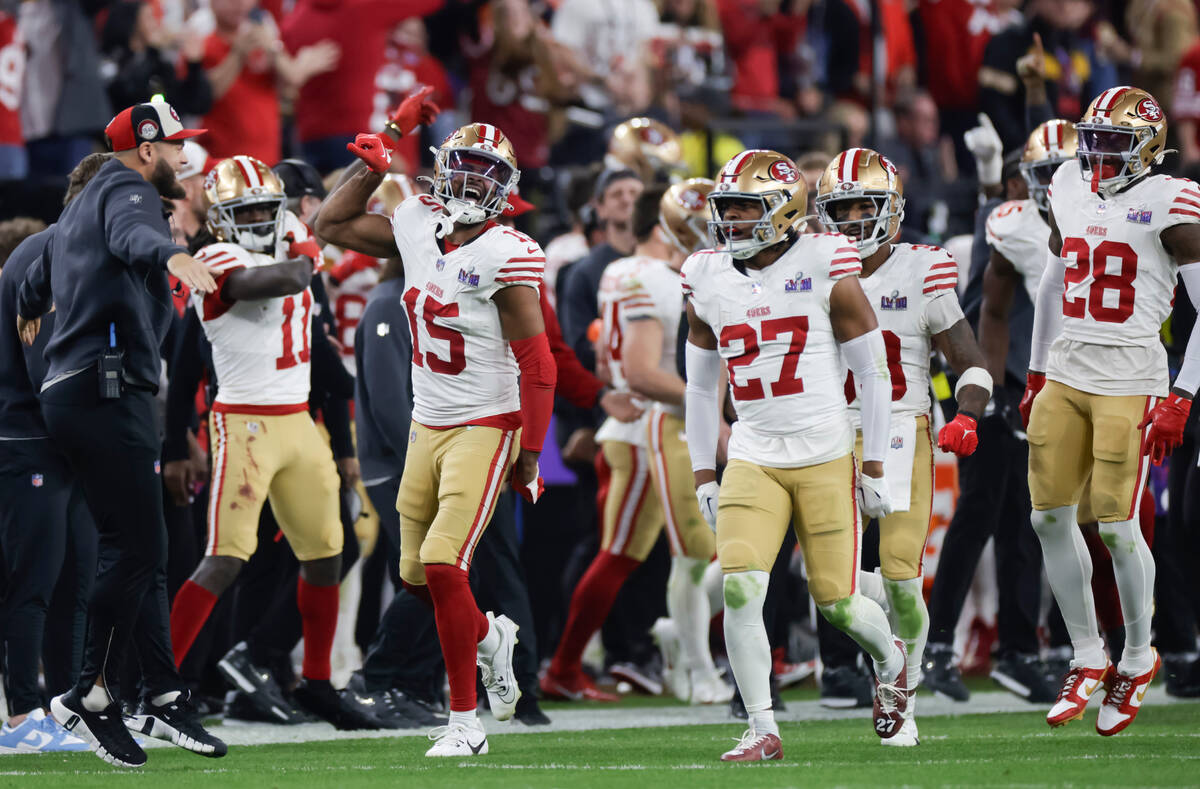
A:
[912,289]
[640,308]
[781,309]
[648,147]
[265,444]
[1097,400]
[476,323]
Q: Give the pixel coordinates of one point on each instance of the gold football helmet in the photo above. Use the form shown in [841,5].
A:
[246,204]
[1122,134]
[648,147]
[473,172]
[682,214]
[766,177]
[1050,144]
[391,192]
[862,174]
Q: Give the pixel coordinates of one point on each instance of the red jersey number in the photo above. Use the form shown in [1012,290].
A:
[430,309]
[289,358]
[891,345]
[788,382]
[1083,261]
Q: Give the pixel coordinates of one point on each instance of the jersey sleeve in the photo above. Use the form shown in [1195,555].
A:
[636,297]
[222,260]
[522,262]
[941,274]
[1183,203]
[846,261]
[691,277]
[1001,227]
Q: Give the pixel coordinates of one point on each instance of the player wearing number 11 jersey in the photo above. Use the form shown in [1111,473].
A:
[781,310]
[1120,237]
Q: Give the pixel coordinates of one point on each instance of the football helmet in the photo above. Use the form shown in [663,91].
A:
[235,186]
[862,174]
[394,190]
[682,214]
[648,147]
[771,179]
[1050,144]
[1122,134]
[474,170]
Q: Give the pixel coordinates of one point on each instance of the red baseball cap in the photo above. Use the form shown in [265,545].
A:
[517,205]
[154,121]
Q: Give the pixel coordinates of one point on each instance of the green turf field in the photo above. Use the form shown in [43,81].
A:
[1003,749]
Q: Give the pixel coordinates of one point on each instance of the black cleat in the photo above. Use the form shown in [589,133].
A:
[1024,675]
[178,722]
[395,709]
[846,687]
[941,676]
[256,686]
[1182,676]
[530,712]
[321,699]
[104,730]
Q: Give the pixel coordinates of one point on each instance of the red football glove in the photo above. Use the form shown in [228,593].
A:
[1033,384]
[415,110]
[308,248]
[1166,422]
[374,149]
[351,263]
[959,436]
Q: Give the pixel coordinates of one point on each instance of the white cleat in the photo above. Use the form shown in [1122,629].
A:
[496,670]
[675,674]
[907,737]
[457,739]
[710,687]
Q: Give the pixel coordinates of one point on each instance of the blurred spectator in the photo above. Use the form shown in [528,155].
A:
[250,70]
[609,38]
[690,69]
[63,105]
[851,49]
[811,166]
[191,211]
[1186,100]
[136,66]
[340,102]
[1159,32]
[572,245]
[14,164]
[1075,70]
[925,161]
[756,33]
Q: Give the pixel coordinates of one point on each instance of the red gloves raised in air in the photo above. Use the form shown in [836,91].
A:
[1033,384]
[1166,421]
[416,110]
[374,149]
[959,436]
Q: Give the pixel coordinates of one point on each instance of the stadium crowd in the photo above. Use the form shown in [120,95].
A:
[606,104]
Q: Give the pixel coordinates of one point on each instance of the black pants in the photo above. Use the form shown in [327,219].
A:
[66,621]
[993,502]
[1176,549]
[113,449]
[36,488]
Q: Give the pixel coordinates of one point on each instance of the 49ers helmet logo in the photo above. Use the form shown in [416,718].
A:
[1148,110]
[652,136]
[784,172]
[691,200]
[148,130]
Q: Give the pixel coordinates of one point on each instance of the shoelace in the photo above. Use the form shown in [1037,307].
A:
[748,739]
[449,730]
[1120,690]
[888,695]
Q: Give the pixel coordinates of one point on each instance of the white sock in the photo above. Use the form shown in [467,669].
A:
[862,619]
[763,722]
[746,638]
[871,585]
[687,605]
[909,618]
[1133,566]
[714,587]
[96,699]
[1069,570]
[467,718]
[165,698]
[490,642]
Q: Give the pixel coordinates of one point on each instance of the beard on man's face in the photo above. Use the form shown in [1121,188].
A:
[163,179]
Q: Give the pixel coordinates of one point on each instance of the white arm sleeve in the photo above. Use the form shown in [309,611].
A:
[867,358]
[702,411]
[1188,379]
[1047,314]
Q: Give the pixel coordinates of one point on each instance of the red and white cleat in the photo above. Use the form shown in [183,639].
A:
[754,747]
[891,700]
[575,687]
[1124,699]
[1078,686]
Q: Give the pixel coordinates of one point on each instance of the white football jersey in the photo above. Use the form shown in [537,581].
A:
[774,333]
[463,369]
[1017,231]
[636,288]
[349,299]
[914,297]
[1120,281]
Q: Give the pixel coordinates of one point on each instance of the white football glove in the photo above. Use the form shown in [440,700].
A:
[984,143]
[707,495]
[873,496]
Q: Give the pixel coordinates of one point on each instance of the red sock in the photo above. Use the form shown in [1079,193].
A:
[420,592]
[590,605]
[461,626]
[318,613]
[193,603]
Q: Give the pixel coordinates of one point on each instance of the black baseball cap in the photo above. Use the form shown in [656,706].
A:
[153,121]
[299,179]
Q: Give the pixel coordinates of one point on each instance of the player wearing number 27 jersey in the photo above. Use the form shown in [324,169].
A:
[781,310]
[1120,237]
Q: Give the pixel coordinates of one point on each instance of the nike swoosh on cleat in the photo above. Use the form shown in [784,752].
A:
[768,755]
[477,748]
[1141,694]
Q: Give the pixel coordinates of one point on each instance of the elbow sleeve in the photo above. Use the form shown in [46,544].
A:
[867,358]
[701,406]
[538,375]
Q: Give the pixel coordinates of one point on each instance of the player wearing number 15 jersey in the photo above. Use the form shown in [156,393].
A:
[264,443]
[476,322]
[1120,237]
[781,310]
[911,288]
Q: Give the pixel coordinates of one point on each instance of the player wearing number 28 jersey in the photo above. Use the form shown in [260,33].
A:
[911,289]
[476,323]
[1120,237]
[782,310]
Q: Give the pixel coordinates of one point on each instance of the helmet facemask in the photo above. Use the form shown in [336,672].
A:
[1037,177]
[1110,156]
[744,238]
[870,232]
[472,185]
[261,236]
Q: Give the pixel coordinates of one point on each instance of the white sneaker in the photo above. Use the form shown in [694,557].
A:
[496,670]
[675,674]
[709,687]
[907,737]
[458,739]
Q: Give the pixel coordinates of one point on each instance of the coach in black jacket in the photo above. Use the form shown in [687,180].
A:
[106,268]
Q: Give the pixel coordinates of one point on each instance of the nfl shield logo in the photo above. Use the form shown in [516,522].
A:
[37,480]
[756,288]
[157,467]
[441,264]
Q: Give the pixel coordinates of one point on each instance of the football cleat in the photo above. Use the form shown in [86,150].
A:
[907,737]
[709,687]
[496,670]
[574,687]
[941,675]
[754,747]
[104,730]
[845,687]
[1124,698]
[676,676]
[530,712]
[1025,676]
[177,722]
[891,700]
[1078,686]
[257,685]
[787,673]
[645,677]
[38,733]
[456,739]
[321,699]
